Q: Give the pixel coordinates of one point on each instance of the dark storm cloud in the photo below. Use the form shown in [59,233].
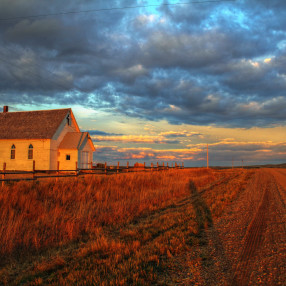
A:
[222,63]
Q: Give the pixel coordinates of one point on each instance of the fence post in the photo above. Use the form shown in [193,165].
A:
[105,168]
[76,172]
[3,175]
[151,167]
[58,170]
[127,166]
[117,168]
[34,165]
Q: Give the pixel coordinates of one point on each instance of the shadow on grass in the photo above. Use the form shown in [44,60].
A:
[214,260]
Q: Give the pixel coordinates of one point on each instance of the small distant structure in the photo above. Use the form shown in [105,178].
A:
[50,139]
[100,165]
[139,165]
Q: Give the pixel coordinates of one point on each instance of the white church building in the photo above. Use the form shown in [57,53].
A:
[51,138]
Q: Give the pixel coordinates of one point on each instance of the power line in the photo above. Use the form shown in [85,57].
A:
[111,9]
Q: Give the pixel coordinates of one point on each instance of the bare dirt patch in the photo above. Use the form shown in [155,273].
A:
[246,245]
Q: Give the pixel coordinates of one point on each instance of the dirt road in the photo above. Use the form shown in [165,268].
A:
[247,244]
[264,232]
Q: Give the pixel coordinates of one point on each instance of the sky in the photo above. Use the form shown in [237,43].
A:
[154,81]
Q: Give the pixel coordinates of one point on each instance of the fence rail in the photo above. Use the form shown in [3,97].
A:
[8,175]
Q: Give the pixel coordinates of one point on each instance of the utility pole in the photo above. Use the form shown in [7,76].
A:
[207,156]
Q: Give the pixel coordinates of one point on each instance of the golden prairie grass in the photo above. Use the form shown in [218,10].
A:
[124,227]
[44,214]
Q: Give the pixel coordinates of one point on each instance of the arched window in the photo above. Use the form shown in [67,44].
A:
[13,152]
[30,152]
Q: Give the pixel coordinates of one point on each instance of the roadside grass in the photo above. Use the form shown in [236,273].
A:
[113,230]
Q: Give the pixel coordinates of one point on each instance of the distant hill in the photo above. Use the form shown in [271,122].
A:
[283,165]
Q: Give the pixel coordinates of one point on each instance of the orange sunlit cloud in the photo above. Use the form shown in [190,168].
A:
[184,133]
[166,157]
[144,153]
[131,139]
[267,60]
[227,148]
[141,155]
[161,138]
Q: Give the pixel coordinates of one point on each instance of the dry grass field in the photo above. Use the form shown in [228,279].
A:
[177,227]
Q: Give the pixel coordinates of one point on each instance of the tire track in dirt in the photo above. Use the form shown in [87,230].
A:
[247,244]
[180,203]
[279,192]
[254,235]
[280,177]
[199,266]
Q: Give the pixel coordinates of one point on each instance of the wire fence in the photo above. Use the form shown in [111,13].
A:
[100,169]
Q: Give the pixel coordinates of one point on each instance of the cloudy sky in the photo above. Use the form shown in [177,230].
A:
[154,80]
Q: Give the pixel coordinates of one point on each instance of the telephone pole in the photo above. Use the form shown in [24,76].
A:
[207,156]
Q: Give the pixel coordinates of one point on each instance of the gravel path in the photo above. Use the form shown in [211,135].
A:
[246,245]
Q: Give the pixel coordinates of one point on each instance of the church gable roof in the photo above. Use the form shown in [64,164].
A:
[40,124]
[74,140]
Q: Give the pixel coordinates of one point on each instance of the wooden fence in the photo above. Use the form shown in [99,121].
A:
[100,169]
